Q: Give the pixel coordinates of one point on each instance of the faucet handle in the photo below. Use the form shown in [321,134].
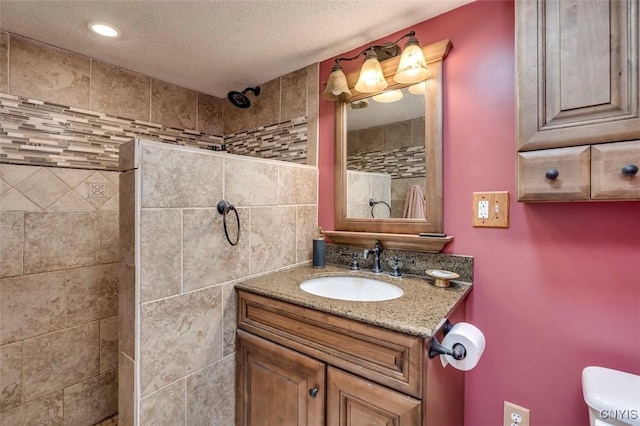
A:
[354,262]
[395,267]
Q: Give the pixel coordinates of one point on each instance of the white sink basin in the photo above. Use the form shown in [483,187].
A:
[351,288]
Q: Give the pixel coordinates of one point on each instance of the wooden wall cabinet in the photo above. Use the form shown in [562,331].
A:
[578,85]
[297,366]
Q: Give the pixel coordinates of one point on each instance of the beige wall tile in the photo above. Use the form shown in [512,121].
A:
[417,132]
[127,156]
[92,293]
[10,376]
[306,225]
[119,92]
[43,188]
[160,253]
[14,200]
[31,305]
[397,135]
[189,327]
[381,191]
[71,177]
[236,119]
[14,174]
[109,237]
[44,411]
[127,309]
[4,62]
[294,95]
[297,185]
[112,204]
[230,318]
[4,187]
[108,344]
[47,73]
[265,109]
[208,258]
[11,243]
[313,89]
[272,227]
[60,359]
[165,407]
[91,401]
[210,118]
[173,106]
[127,216]
[312,141]
[174,177]
[71,201]
[104,189]
[353,137]
[371,140]
[60,240]
[211,394]
[358,187]
[126,390]
[250,182]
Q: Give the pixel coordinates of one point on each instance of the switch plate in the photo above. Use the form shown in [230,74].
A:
[498,206]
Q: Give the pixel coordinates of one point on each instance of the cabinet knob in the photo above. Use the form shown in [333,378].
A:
[552,174]
[313,392]
[630,170]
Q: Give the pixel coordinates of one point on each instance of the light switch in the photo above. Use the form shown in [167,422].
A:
[491,209]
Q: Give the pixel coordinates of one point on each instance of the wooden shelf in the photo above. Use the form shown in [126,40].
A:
[390,241]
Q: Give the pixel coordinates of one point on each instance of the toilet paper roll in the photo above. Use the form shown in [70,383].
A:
[471,338]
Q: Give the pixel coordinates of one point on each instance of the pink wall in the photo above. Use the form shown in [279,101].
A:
[560,289]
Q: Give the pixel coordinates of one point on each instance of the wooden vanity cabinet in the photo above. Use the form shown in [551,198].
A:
[577,85]
[298,366]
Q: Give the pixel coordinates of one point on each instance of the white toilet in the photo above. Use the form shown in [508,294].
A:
[613,397]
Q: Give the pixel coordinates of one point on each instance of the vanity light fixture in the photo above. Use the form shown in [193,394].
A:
[104,29]
[412,68]
[418,89]
[388,96]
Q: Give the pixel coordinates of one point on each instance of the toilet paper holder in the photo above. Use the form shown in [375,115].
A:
[458,351]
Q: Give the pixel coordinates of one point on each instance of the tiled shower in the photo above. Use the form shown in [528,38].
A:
[59,221]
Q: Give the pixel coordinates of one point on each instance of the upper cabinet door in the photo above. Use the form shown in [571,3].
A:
[577,72]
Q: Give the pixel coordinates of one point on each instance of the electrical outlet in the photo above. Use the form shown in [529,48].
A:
[515,415]
[491,209]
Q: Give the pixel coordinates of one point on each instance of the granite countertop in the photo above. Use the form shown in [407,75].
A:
[419,311]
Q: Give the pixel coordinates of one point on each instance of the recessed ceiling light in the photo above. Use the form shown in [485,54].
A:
[103,29]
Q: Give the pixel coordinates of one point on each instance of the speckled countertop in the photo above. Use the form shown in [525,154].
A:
[419,311]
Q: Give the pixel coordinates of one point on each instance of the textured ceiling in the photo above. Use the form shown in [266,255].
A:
[216,46]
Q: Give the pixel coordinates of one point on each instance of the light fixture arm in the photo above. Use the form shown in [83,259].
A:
[376,48]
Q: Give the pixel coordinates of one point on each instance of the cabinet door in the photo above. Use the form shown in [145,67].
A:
[277,386]
[353,401]
[577,72]
[560,174]
[614,170]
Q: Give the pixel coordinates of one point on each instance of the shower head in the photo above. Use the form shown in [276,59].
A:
[240,99]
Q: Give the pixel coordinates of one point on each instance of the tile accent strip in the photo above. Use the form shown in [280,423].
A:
[286,141]
[399,163]
[41,133]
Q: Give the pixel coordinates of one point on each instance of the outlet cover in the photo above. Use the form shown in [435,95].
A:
[515,414]
[498,209]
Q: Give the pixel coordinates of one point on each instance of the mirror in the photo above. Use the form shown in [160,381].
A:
[385,157]
[389,155]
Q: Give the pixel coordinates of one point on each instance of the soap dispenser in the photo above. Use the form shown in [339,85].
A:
[319,246]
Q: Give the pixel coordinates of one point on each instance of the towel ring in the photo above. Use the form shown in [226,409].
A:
[374,203]
[224,207]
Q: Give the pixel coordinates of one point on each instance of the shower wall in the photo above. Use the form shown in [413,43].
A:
[177,299]
[58,295]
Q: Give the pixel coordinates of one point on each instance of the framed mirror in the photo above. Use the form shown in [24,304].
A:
[388,156]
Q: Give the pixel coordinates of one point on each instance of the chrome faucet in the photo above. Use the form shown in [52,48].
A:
[376,257]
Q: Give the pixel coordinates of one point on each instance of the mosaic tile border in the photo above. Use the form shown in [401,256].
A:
[285,141]
[34,132]
[399,163]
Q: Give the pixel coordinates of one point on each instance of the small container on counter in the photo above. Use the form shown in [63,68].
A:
[319,249]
